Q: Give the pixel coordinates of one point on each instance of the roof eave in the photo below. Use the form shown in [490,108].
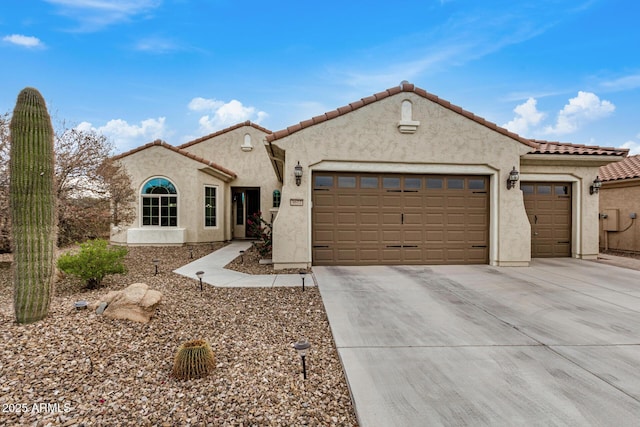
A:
[591,160]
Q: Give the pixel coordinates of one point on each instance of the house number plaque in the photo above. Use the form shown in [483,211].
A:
[296,202]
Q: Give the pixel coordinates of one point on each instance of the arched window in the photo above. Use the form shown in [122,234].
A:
[159,203]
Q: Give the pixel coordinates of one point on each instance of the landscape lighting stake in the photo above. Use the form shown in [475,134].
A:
[302,346]
[242,257]
[155,263]
[200,274]
[190,252]
[303,274]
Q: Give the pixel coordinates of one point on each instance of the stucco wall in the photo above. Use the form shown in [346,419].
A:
[184,173]
[625,197]
[368,140]
[253,167]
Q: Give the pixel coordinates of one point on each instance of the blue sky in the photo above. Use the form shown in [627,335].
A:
[138,70]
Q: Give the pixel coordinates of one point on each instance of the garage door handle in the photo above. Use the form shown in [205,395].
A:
[320,246]
[567,242]
[479,246]
[535,219]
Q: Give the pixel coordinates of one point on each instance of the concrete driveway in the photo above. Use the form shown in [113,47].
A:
[557,343]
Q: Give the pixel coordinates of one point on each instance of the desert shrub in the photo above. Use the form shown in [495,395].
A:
[95,260]
[261,229]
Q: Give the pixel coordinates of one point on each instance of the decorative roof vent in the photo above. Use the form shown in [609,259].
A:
[246,145]
[407,124]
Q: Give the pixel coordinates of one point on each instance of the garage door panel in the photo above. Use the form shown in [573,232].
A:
[369,236]
[346,236]
[393,218]
[369,200]
[410,219]
[346,219]
[369,218]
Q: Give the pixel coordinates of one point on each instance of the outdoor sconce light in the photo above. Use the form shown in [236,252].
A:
[155,264]
[514,176]
[595,188]
[297,172]
[303,274]
[301,347]
[200,274]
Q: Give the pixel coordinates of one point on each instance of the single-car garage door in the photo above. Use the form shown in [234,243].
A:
[365,219]
[548,206]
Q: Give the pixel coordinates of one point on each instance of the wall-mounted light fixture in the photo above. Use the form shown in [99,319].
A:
[595,187]
[297,172]
[514,176]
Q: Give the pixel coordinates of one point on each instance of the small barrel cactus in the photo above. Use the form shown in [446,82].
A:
[194,359]
[33,206]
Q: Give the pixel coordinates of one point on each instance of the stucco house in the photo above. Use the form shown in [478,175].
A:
[399,177]
[620,205]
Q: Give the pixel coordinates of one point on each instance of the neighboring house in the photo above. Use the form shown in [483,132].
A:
[620,205]
[400,177]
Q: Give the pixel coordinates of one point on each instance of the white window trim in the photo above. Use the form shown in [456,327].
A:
[204,193]
[141,204]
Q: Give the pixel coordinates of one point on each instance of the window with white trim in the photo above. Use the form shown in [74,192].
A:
[210,217]
[159,203]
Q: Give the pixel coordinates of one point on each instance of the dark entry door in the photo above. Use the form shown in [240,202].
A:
[548,206]
[246,203]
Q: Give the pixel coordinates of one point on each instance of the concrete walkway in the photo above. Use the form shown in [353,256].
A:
[215,274]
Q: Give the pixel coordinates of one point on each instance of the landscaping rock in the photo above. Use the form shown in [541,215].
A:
[136,302]
[101,307]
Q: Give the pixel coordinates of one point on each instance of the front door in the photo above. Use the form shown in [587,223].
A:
[548,206]
[246,202]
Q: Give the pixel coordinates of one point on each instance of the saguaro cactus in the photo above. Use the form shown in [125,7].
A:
[33,206]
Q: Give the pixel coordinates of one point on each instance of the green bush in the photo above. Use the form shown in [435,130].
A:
[94,261]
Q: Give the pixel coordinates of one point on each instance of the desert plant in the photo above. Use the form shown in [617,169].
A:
[95,260]
[261,229]
[33,206]
[194,359]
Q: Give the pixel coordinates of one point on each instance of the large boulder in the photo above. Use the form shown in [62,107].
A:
[136,302]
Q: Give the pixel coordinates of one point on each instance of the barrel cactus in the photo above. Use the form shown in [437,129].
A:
[33,206]
[194,359]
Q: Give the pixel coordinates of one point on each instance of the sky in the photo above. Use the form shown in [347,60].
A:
[140,70]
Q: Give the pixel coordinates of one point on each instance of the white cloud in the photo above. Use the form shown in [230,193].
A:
[527,115]
[24,41]
[584,108]
[203,104]
[633,146]
[623,83]
[126,136]
[223,114]
[93,15]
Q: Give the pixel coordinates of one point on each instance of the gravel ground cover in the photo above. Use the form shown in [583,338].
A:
[78,368]
[249,263]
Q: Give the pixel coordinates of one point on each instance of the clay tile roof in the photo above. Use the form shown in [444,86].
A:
[160,143]
[220,132]
[628,168]
[553,147]
[404,87]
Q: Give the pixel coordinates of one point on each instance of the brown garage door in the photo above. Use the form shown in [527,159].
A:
[364,219]
[548,206]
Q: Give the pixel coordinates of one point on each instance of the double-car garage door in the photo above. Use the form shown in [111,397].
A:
[364,219]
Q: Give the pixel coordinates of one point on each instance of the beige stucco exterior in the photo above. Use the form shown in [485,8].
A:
[618,201]
[405,131]
[445,142]
[241,147]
